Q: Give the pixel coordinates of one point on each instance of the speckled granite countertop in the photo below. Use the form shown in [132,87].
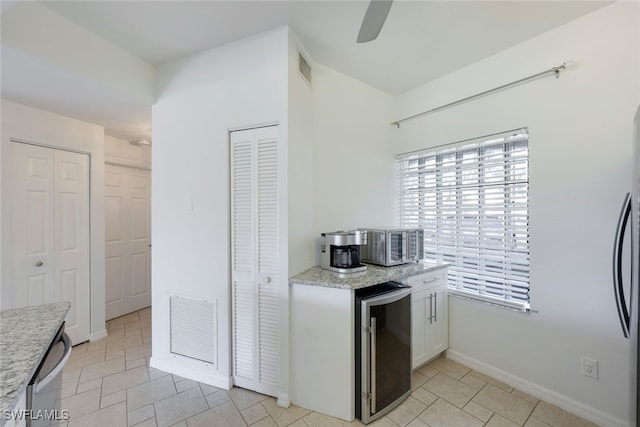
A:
[25,336]
[318,276]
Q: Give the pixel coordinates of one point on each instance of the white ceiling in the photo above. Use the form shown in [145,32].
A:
[421,40]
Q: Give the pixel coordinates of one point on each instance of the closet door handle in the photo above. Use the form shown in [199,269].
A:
[623,311]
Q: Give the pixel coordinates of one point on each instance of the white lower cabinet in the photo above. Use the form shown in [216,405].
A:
[323,365]
[323,350]
[429,316]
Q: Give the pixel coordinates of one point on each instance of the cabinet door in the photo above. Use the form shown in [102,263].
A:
[438,328]
[419,323]
[430,315]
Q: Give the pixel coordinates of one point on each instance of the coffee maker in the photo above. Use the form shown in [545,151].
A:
[341,251]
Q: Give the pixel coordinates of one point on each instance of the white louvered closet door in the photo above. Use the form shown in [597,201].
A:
[255,258]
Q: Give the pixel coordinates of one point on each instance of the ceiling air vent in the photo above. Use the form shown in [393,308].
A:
[304,68]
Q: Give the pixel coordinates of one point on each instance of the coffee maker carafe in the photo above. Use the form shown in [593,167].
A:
[341,251]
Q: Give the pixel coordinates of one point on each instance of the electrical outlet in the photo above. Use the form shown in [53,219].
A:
[589,367]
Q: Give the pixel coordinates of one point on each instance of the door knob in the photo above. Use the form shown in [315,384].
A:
[39,264]
[267,279]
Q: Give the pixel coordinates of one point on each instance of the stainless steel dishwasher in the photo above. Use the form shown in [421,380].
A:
[45,388]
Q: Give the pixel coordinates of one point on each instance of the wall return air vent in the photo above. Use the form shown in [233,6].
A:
[304,68]
[193,331]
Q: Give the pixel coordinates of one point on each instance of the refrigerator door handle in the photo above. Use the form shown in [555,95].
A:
[623,312]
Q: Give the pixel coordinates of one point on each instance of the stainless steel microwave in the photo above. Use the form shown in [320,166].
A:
[393,246]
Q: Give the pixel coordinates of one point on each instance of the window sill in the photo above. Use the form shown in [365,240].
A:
[520,308]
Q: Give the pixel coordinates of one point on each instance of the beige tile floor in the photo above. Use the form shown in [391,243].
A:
[109,383]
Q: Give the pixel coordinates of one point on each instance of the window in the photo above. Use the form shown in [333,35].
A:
[472,200]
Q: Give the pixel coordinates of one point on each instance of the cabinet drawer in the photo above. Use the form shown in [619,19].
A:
[427,280]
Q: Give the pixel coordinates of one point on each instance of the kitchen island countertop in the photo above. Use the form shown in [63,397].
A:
[318,276]
[25,336]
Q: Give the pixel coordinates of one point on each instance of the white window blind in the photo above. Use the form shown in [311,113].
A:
[472,200]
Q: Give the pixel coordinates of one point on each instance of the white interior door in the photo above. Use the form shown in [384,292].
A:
[255,258]
[50,232]
[128,239]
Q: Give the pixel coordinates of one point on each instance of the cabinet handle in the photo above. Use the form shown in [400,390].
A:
[39,264]
[435,307]
[433,279]
[430,308]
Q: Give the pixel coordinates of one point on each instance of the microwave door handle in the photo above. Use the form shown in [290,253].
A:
[414,249]
[404,246]
[411,235]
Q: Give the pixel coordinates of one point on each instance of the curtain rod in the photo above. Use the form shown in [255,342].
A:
[555,70]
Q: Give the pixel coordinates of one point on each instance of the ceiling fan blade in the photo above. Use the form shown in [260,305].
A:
[373,20]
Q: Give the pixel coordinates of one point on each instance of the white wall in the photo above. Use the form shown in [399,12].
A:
[300,198]
[121,152]
[198,99]
[342,174]
[41,127]
[354,171]
[33,28]
[580,147]
[336,138]
[300,154]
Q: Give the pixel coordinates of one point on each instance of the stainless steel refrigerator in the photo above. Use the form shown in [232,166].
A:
[634,312]
[627,294]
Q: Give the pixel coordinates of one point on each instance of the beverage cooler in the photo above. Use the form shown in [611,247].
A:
[383,349]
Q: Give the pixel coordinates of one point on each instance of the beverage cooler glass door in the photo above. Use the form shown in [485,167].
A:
[386,355]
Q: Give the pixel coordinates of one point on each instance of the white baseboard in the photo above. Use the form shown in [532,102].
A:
[542,393]
[190,373]
[95,336]
[284,401]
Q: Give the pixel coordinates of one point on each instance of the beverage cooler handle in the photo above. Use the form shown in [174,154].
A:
[373,365]
[623,312]
[58,369]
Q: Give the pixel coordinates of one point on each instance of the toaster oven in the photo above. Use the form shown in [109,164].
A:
[393,246]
